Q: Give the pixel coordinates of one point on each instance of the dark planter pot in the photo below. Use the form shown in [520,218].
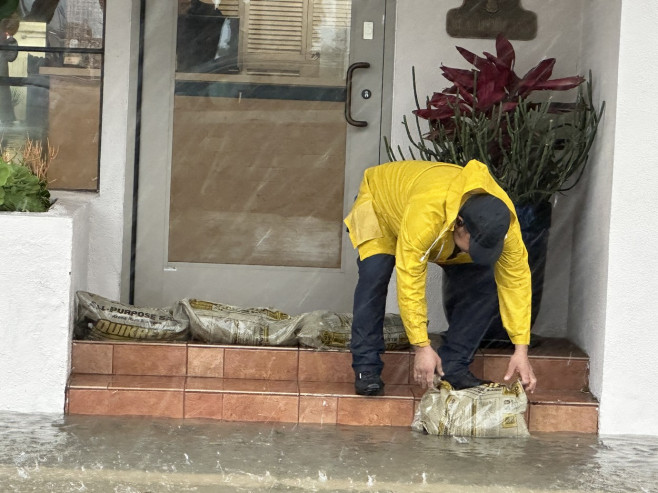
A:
[535,222]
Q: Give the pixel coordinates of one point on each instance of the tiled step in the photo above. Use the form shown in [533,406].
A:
[298,385]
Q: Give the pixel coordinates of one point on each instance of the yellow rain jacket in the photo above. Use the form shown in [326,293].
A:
[408,209]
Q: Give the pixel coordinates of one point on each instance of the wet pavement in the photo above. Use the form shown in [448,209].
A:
[141,455]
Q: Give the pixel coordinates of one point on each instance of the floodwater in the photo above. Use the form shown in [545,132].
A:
[145,455]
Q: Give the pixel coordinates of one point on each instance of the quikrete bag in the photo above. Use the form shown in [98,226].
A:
[101,319]
[329,330]
[217,323]
[489,410]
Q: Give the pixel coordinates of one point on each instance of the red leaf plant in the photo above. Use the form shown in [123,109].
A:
[534,149]
[492,85]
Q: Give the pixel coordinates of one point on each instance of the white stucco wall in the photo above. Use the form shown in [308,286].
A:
[40,274]
[422,42]
[628,404]
[589,270]
[109,235]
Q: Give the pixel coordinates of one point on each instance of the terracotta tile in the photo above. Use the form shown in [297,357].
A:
[555,347]
[203,405]
[260,407]
[402,391]
[159,403]
[552,374]
[494,368]
[325,366]
[89,381]
[326,388]
[266,364]
[250,386]
[133,382]
[88,401]
[321,409]
[204,384]
[552,418]
[571,397]
[504,352]
[417,391]
[477,367]
[374,411]
[150,359]
[91,358]
[561,374]
[347,389]
[396,368]
[205,361]
[549,347]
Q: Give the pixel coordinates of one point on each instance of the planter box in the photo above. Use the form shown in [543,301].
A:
[43,262]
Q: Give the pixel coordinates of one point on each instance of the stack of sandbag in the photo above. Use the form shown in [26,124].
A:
[323,329]
[101,319]
[489,410]
[217,323]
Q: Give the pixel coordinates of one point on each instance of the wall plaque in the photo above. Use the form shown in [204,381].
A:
[488,18]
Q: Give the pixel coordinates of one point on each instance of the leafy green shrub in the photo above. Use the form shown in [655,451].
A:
[21,189]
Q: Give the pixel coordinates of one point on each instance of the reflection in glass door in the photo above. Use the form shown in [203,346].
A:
[259,135]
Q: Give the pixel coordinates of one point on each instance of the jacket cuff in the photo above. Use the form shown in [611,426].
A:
[521,339]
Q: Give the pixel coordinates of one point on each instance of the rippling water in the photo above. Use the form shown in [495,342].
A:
[135,455]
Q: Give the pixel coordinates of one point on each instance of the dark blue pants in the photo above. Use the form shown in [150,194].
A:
[470,301]
[369,309]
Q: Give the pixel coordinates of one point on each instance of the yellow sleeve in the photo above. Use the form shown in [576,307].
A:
[419,229]
[514,285]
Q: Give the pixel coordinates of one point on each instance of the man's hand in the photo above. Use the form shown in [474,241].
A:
[426,364]
[519,363]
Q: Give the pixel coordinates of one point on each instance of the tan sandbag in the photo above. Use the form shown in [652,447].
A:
[101,319]
[323,329]
[217,323]
[490,410]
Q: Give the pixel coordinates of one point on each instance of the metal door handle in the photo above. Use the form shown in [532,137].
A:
[348,98]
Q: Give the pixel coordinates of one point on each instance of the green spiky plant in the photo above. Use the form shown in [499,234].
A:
[533,149]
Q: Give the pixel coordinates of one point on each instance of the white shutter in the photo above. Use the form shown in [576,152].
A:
[276,26]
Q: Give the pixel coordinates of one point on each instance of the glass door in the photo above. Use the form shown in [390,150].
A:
[247,163]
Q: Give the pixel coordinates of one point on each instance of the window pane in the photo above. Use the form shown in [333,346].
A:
[49,94]
[259,122]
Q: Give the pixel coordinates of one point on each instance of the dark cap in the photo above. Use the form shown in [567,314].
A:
[487,219]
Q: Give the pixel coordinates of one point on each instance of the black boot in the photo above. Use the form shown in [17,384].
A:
[368,383]
[464,380]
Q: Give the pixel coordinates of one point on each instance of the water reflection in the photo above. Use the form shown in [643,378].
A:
[105,454]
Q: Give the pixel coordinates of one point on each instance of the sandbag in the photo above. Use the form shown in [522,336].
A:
[489,410]
[217,323]
[323,329]
[101,319]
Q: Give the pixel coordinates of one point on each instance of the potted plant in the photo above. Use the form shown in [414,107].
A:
[23,177]
[533,148]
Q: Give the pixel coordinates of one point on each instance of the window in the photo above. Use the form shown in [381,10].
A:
[51,57]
